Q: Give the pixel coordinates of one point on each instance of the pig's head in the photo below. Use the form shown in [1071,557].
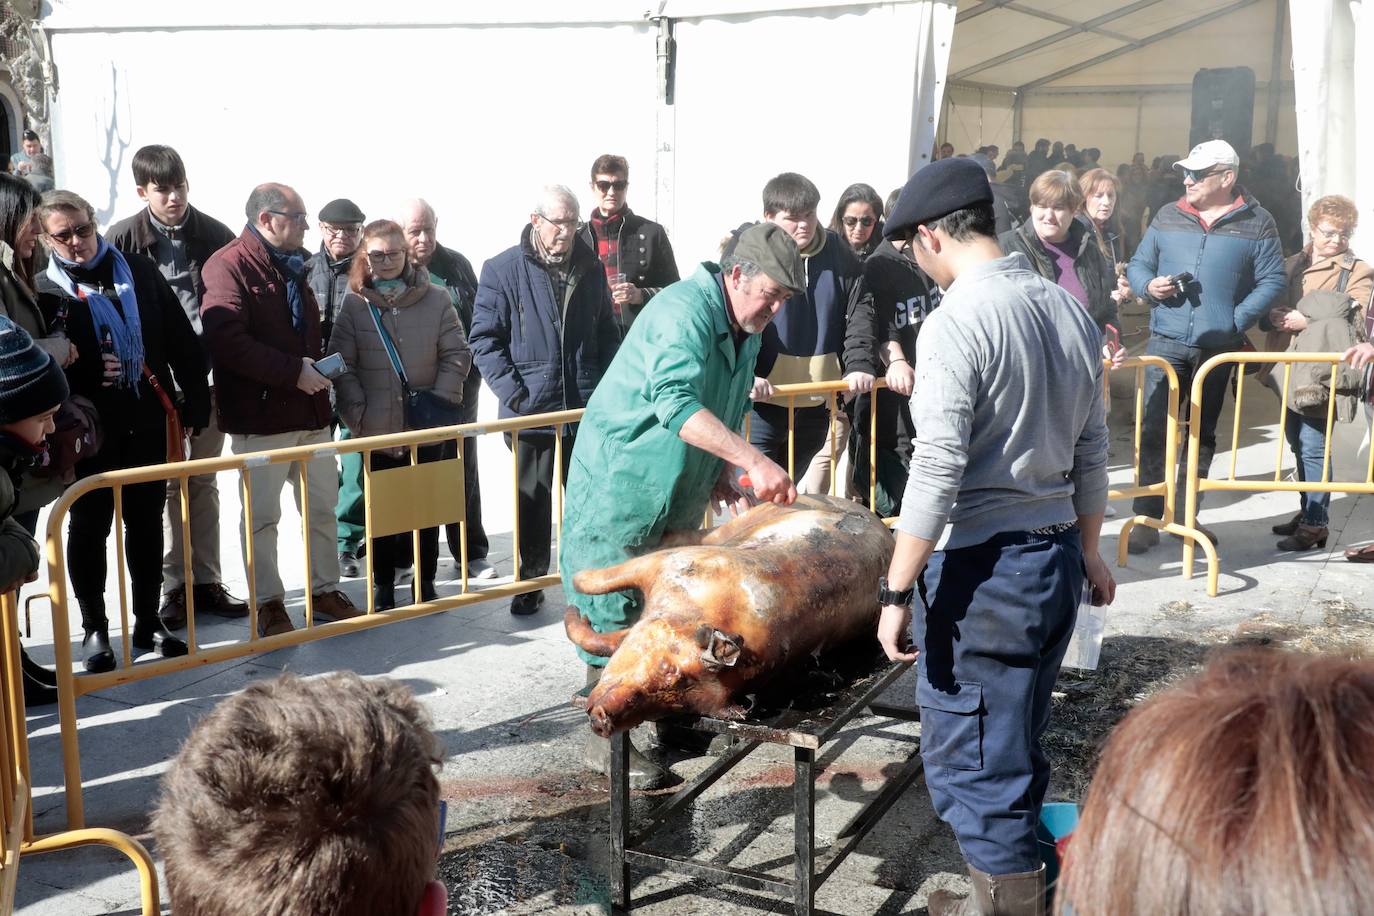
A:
[662,667]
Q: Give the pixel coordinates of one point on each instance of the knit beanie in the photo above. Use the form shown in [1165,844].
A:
[31,382]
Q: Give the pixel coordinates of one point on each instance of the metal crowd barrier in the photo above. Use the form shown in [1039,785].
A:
[1168,487]
[16,833]
[396,500]
[1197,484]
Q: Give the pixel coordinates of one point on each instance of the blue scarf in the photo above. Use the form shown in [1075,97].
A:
[292,267]
[126,331]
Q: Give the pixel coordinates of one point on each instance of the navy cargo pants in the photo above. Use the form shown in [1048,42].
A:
[996,622]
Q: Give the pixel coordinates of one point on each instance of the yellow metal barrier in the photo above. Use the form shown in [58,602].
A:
[1168,487]
[16,834]
[1197,484]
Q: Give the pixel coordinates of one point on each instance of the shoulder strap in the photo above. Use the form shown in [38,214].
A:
[390,347]
[1344,278]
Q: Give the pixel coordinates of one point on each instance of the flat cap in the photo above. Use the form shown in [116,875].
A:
[770,247]
[938,190]
[342,210]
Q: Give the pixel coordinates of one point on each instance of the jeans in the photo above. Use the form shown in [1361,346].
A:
[1154,423]
[1307,438]
[768,434]
[993,625]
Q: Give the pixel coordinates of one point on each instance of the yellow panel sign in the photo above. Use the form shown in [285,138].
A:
[419,496]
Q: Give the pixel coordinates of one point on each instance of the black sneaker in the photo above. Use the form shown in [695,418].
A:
[526,604]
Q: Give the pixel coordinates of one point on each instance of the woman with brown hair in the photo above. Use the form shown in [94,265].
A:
[1064,250]
[391,314]
[1325,264]
[1247,789]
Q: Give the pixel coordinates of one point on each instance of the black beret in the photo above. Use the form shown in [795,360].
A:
[938,190]
[342,210]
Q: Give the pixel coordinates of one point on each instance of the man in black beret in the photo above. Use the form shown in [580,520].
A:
[999,521]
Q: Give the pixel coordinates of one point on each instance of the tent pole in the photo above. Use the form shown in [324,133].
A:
[1271,113]
[1017,105]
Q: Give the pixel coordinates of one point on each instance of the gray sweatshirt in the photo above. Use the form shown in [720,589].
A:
[1010,429]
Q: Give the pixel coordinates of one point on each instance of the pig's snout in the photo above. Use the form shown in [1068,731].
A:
[600,721]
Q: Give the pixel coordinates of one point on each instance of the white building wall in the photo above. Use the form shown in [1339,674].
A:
[477,115]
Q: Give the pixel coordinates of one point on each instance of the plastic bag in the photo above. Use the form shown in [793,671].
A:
[1085,646]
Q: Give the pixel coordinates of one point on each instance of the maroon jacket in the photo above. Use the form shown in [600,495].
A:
[253,347]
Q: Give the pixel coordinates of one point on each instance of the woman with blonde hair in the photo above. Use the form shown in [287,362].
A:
[1325,264]
[1247,789]
[398,334]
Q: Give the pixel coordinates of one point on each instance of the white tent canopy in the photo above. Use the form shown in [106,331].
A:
[1115,74]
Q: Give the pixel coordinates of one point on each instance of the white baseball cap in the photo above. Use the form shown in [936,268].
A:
[1207,154]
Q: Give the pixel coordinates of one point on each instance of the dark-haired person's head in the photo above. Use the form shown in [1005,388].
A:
[858,218]
[32,144]
[610,179]
[790,200]
[160,176]
[1243,790]
[19,226]
[945,218]
[299,797]
[32,387]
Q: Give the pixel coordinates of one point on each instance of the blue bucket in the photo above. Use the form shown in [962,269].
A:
[1057,820]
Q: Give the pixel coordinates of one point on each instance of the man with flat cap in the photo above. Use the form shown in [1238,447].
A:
[658,441]
[341,229]
[999,527]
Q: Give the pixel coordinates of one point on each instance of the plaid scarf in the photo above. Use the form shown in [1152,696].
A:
[607,232]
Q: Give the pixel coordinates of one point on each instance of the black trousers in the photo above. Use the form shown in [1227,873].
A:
[394,550]
[534,475]
[478,546]
[88,530]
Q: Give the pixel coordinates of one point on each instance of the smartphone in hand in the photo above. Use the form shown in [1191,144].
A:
[332,366]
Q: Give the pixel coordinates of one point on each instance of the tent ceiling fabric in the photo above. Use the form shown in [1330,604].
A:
[1021,45]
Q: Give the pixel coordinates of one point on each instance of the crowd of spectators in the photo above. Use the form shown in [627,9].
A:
[111,340]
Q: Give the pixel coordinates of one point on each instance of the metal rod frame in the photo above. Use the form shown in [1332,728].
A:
[626,846]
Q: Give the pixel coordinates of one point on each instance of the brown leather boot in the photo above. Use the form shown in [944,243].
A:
[1020,894]
[1305,538]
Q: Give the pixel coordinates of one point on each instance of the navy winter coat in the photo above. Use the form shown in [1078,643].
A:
[538,354]
[1237,268]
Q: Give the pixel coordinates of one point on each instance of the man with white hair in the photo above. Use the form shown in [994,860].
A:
[543,332]
[450,270]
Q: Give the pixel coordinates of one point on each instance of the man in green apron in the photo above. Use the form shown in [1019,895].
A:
[659,439]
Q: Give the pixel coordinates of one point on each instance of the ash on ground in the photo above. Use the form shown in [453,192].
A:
[1088,704]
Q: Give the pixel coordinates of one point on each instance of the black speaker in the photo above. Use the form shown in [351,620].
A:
[1224,107]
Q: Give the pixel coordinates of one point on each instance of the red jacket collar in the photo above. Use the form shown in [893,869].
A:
[1193,211]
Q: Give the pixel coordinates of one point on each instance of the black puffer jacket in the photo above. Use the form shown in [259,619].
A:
[1095,272]
[328,280]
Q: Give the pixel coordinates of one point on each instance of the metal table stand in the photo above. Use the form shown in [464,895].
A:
[807,733]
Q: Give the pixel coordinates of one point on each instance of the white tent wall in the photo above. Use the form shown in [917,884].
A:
[1155,124]
[476,108]
[975,117]
[1119,98]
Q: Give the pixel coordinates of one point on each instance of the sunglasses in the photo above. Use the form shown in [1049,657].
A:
[607,186]
[66,235]
[851,221]
[1196,176]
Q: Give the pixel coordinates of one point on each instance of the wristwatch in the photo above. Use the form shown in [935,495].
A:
[887,596]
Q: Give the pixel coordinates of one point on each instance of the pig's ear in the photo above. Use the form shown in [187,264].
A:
[718,650]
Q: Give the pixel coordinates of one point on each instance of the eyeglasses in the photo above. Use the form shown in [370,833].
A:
[65,236]
[1195,176]
[383,257]
[569,223]
[297,217]
[607,186]
[851,221]
[1332,235]
[339,232]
